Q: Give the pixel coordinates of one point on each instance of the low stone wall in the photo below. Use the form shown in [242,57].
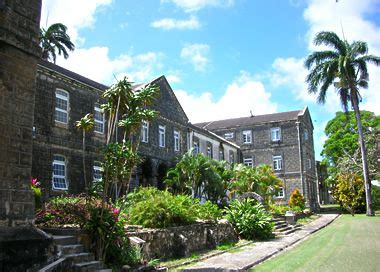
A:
[182,241]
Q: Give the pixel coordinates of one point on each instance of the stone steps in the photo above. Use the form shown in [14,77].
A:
[72,254]
[281,228]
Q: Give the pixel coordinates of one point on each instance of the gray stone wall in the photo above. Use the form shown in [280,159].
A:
[182,241]
[19,51]
[51,137]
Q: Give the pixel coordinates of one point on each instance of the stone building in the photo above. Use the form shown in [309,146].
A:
[63,97]
[283,140]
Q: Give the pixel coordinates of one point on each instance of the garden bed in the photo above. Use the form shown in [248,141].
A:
[181,241]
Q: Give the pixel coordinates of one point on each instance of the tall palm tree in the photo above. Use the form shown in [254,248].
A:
[55,38]
[344,66]
[86,123]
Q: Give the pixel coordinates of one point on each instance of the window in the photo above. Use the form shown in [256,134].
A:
[306,134]
[209,151]
[247,136]
[98,120]
[145,131]
[308,163]
[281,193]
[161,136]
[97,171]
[277,162]
[275,134]
[248,161]
[176,140]
[196,147]
[228,135]
[221,154]
[59,173]
[231,157]
[61,106]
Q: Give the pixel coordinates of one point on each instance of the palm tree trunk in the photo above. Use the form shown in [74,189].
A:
[367,182]
[84,160]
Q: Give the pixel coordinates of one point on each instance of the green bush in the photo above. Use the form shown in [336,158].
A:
[153,208]
[276,209]
[349,192]
[297,200]
[250,219]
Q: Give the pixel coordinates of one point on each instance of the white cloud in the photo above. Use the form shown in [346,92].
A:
[195,5]
[170,23]
[327,16]
[172,78]
[243,95]
[72,13]
[95,63]
[197,55]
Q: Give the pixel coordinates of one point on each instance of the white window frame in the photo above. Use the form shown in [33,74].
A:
[64,177]
[96,167]
[145,131]
[281,193]
[247,136]
[209,151]
[228,135]
[248,161]
[306,135]
[99,121]
[276,131]
[176,135]
[277,163]
[309,163]
[67,99]
[161,136]
[196,147]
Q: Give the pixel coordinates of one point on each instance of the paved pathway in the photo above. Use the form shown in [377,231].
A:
[251,255]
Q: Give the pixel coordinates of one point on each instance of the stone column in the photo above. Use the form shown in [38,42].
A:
[19,52]
[21,245]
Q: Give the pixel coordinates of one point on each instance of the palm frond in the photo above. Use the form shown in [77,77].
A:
[330,39]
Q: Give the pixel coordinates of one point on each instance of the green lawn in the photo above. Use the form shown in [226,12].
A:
[348,244]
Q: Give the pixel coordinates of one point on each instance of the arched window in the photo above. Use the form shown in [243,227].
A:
[61,106]
[59,173]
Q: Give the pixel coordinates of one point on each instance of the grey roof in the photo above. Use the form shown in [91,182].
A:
[251,120]
[211,134]
[70,74]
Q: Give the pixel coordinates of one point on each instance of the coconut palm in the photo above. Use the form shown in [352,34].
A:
[344,66]
[86,123]
[54,39]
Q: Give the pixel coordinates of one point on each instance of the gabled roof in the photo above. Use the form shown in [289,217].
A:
[211,134]
[251,120]
[72,75]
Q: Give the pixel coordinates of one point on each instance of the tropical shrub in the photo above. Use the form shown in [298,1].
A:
[297,200]
[276,209]
[349,192]
[153,208]
[250,219]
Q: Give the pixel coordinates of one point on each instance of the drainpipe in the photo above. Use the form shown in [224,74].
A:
[301,157]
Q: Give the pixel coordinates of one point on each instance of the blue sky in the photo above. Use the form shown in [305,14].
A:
[223,58]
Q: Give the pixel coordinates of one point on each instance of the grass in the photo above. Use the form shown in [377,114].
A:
[348,244]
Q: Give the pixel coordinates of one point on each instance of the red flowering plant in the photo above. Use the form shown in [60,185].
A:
[35,186]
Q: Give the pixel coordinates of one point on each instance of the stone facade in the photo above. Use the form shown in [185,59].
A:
[166,137]
[283,140]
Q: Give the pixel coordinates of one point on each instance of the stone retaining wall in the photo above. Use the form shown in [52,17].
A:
[182,241]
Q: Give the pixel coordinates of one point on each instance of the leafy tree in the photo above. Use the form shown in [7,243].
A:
[86,123]
[53,39]
[344,66]
[349,192]
[342,137]
[260,179]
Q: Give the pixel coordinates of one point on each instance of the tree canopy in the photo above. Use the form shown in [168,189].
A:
[342,136]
